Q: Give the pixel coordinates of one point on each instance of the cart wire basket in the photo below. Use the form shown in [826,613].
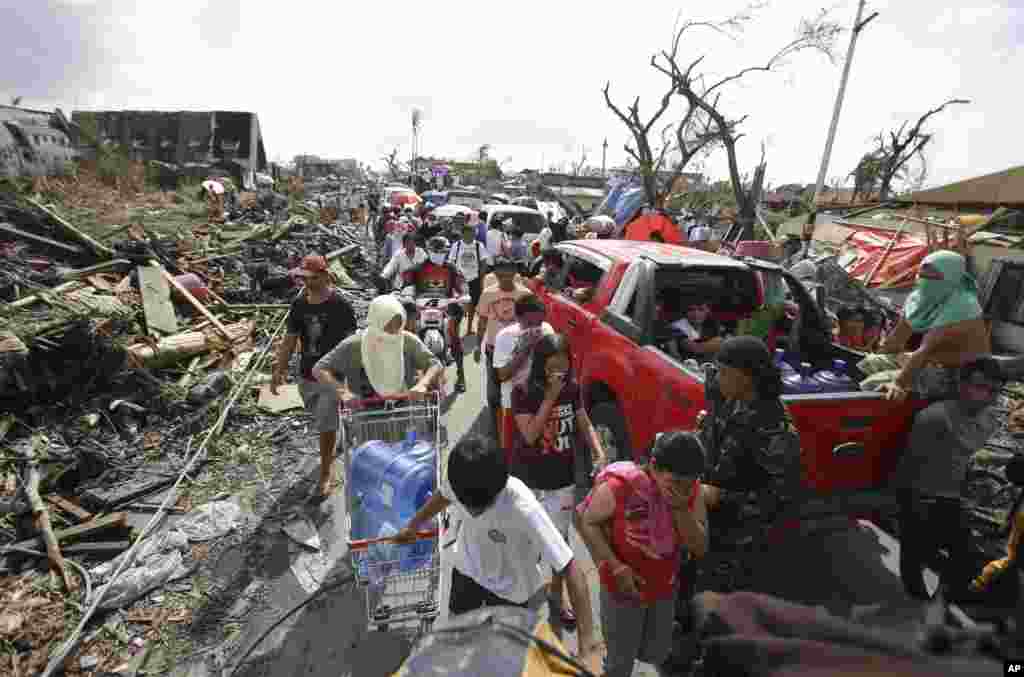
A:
[402,595]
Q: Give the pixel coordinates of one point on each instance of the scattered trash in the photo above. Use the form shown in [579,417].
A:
[303,532]
[310,569]
[210,521]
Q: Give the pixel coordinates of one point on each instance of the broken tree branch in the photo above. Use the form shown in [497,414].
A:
[40,516]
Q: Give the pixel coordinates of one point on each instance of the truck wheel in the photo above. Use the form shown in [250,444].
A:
[611,428]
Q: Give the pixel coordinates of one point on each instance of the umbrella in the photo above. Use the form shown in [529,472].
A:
[405,198]
[643,227]
[448,211]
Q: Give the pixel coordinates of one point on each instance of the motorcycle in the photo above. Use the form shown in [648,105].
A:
[439,325]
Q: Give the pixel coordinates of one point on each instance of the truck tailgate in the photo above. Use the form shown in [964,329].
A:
[850,440]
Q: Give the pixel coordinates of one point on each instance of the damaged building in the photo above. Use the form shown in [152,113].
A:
[35,142]
[191,141]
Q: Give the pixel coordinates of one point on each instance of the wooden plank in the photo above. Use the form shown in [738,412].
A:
[103,498]
[156,301]
[99,249]
[118,265]
[218,325]
[344,251]
[39,239]
[70,507]
[116,520]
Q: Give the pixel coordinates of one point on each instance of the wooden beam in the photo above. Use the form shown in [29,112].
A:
[39,239]
[98,248]
[344,251]
[77,511]
[218,325]
[156,301]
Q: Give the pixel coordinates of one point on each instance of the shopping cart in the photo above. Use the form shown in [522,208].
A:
[401,595]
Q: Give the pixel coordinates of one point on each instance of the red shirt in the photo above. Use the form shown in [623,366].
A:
[658,573]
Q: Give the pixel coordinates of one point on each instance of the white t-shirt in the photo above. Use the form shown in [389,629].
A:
[501,549]
[401,262]
[466,259]
[505,344]
[497,242]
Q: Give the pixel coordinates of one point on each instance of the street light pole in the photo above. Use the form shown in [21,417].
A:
[604,157]
[857,26]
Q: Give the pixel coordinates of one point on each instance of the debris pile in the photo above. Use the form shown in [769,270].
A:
[116,353]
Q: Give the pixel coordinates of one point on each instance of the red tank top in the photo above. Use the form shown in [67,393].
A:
[659,573]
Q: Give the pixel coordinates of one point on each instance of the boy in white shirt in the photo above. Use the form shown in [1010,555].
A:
[513,346]
[503,534]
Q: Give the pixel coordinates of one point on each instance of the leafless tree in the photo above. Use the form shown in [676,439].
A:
[394,166]
[577,167]
[817,34]
[897,147]
[688,137]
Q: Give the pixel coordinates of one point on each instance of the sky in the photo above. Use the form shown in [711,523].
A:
[341,79]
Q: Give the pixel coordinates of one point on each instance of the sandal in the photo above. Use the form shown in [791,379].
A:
[460,387]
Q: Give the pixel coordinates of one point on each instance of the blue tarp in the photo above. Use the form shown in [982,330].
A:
[631,202]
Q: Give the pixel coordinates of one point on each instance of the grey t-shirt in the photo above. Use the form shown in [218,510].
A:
[345,361]
[942,441]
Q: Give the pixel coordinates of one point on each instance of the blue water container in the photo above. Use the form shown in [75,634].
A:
[836,380]
[390,482]
[783,365]
[800,382]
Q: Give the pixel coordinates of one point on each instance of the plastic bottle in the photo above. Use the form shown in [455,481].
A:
[835,380]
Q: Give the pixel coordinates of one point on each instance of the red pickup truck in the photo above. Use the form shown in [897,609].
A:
[850,441]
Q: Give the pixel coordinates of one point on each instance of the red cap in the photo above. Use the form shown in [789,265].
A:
[311,265]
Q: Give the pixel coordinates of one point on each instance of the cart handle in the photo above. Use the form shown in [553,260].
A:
[367,542]
[430,395]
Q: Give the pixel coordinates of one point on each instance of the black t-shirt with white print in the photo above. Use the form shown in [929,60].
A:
[320,326]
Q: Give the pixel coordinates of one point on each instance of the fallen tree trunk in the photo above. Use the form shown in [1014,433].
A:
[172,349]
[40,516]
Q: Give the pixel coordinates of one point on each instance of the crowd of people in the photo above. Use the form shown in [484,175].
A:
[518,492]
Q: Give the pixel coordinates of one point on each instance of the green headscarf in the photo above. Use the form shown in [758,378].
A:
[939,303]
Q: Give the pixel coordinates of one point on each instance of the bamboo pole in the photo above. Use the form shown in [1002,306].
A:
[40,516]
[73,285]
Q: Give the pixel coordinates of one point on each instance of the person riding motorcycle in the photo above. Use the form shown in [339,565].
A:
[436,278]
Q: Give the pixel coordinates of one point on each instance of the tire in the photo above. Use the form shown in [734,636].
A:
[609,423]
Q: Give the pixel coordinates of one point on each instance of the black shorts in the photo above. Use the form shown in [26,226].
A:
[467,595]
[476,288]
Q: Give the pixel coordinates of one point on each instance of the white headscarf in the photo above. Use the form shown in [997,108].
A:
[383,353]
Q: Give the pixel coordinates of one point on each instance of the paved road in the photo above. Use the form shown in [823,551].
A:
[851,572]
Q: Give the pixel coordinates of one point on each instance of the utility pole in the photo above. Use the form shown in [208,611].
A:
[858,25]
[604,156]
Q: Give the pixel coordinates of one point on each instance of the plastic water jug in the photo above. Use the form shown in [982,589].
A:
[783,365]
[800,382]
[835,380]
[390,482]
